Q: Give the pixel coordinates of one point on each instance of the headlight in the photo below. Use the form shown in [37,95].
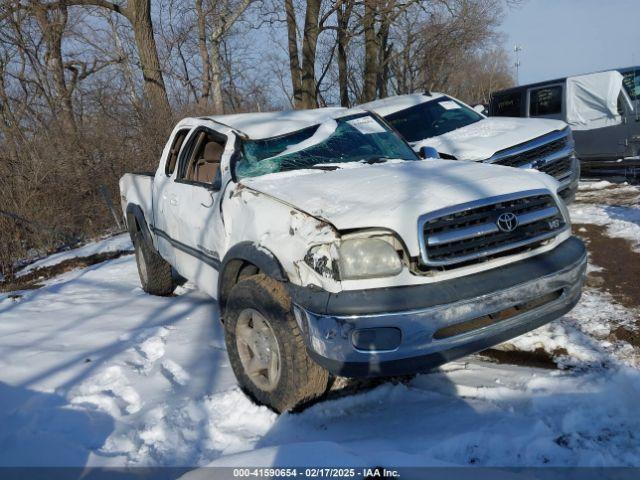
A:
[360,255]
[366,258]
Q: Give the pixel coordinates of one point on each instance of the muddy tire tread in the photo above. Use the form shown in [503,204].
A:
[160,279]
[304,380]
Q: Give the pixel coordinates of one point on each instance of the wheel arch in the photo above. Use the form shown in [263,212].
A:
[246,258]
[136,221]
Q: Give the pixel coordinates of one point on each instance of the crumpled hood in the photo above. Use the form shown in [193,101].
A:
[481,140]
[393,195]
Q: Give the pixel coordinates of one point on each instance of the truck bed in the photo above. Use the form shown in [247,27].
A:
[136,189]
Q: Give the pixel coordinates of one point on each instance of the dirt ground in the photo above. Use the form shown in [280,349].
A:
[34,279]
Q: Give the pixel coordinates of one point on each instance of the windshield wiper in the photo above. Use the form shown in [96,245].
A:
[324,166]
[335,166]
[375,159]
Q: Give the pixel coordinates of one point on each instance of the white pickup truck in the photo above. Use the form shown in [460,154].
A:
[333,249]
[434,122]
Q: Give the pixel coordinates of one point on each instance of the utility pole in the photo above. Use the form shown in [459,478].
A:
[517,49]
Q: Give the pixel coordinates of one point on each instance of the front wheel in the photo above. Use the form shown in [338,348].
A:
[266,348]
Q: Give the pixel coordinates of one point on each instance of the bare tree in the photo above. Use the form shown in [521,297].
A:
[294,56]
[52,24]
[71,66]
[344,9]
[138,13]
[204,51]
[305,82]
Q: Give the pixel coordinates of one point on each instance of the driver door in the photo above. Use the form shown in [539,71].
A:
[200,233]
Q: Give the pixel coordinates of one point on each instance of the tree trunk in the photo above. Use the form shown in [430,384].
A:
[309,47]
[52,24]
[343,15]
[294,58]
[370,52]
[204,52]
[216,77]
[125,65]
[223,20]
[383,56]
[139,14]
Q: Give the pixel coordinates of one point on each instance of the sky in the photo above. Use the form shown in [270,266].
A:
[567,37]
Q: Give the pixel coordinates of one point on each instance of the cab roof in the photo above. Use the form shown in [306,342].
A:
[273,124]
[390,105]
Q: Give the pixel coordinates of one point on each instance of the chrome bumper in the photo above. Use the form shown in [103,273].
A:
[330,338]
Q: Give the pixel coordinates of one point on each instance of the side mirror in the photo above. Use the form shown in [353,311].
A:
[428,152]
[480,109]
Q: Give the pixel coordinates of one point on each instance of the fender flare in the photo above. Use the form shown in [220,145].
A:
[136,215]
[250,252]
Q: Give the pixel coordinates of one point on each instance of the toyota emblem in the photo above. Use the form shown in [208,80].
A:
[507,222]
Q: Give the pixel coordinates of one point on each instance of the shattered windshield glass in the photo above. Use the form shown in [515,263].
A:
[433,118]
[356,138]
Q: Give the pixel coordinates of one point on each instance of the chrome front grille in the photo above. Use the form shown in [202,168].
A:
[470,232]
[550,154]
[558,169]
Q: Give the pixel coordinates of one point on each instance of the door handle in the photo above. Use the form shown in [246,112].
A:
[173,200]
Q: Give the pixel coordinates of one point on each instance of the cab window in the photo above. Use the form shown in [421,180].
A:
[545,101]
[172,159]
[200,162]
[507,105]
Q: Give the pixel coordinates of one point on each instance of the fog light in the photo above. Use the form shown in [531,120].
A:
[385,338]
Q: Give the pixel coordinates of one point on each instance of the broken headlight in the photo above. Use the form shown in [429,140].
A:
[322,258]
[367,258]
[357,256]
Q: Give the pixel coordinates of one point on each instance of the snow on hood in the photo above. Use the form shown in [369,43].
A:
[483,139]
[394,195]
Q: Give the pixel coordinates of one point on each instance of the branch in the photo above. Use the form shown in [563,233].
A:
[124,11]
[227,23]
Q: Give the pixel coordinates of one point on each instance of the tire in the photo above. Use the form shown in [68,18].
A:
[299,379]
[155,273]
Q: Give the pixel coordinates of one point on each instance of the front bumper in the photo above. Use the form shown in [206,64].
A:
[329,337]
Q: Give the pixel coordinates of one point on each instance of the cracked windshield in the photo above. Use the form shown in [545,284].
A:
[359,138]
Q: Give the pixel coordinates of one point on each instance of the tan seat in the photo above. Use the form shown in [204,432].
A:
[208,165]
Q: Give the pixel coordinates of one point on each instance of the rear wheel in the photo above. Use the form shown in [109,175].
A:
[266,348]
[155,273]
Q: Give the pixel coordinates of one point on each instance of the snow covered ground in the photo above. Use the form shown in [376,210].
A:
[95,372]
